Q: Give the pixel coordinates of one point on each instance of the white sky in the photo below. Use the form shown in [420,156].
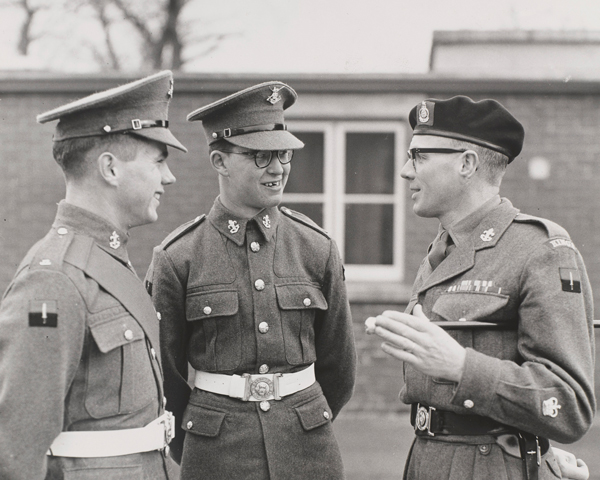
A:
[366,36]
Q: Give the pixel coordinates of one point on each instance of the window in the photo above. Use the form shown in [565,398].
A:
[347,179]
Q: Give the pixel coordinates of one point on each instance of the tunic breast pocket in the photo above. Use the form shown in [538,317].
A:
[217,328]
[120,378]
[472,306]
[299,304]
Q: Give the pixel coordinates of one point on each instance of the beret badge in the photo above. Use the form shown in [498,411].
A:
[425,113]
[275,96]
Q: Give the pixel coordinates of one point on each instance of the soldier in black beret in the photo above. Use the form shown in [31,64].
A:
[485,402]
[81,384]
[252,296]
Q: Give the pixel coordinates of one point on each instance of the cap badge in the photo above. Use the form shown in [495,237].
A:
[423,113]
[233,226]
[115,241]
[487,235]
[170,92]
[550,407]
[266,221]
[275,96]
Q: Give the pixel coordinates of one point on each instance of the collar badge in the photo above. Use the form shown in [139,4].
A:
[275,96]
[550,407]
[266,221]
[487,235]
[423,113]
[115,241]
[170,92]
[233,226]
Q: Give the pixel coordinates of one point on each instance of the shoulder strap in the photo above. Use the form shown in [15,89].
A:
[553,229]
[181,231]
[304,220]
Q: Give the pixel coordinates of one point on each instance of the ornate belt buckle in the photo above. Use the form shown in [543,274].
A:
[261,388]
[423,419]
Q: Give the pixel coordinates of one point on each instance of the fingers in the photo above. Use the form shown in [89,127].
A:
[398,353]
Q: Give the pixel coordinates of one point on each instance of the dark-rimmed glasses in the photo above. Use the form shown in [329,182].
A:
[262,158]
[414,152]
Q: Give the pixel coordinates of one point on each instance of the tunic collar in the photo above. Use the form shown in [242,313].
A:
[234,227]
[84,222]
[461,230]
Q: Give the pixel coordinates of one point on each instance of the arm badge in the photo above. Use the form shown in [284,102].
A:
[570,280]
[43,313]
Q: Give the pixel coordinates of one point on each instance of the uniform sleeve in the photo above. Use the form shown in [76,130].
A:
[551,393]
[335,367]
[168,295]
[38,361]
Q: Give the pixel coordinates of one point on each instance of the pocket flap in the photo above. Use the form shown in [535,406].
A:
[202,421]
[116,332]
[215,303]
[314,413]
[300,296]
[470,306]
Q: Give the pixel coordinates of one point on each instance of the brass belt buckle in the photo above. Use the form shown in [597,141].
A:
[423,419]
[261,388]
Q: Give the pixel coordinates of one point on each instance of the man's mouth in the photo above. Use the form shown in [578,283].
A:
[272,184]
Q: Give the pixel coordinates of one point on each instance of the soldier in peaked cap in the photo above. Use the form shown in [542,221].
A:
[253,297]
[485,401]
[82,393]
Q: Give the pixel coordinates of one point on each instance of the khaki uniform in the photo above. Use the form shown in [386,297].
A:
[247,296]
[78,352]
[537,375]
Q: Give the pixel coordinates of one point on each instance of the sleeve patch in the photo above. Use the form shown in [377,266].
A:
[570,280]
[561,242]
[43,313]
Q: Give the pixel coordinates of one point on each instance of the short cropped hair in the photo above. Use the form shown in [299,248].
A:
[492,164]
[74,155]
[219,144]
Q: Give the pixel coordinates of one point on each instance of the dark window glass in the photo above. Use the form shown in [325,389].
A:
[369,162]
[307,165]
[369,234]
[312,210]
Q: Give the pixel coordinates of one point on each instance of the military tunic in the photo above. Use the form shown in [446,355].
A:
[78,352]
[250,296]
[538,374]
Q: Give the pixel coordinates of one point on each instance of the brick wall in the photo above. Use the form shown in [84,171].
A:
[562,124]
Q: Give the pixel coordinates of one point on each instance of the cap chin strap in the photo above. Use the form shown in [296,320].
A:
[232,132]
[129,126]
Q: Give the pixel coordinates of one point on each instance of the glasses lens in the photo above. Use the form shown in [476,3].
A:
[285,156]
[262,158]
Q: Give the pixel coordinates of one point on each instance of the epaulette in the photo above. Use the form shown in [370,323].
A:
[181,231]
[304,220]
[49,253]
[553,229]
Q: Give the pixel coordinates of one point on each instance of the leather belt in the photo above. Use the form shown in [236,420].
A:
[113,443]
[256,388]
[430,421]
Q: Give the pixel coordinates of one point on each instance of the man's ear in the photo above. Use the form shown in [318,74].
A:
[470,164]
[108,168]
[217,160]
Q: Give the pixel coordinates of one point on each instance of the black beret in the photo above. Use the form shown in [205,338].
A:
[486,123]
[251,118]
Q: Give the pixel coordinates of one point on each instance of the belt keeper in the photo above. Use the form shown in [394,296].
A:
[276,386]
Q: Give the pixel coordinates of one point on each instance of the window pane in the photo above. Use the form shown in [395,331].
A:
[307,165]
[370,162]
[312,210]
[369,234]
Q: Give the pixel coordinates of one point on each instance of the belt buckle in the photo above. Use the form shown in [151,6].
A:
[423,419]
[168,423]
[261,387]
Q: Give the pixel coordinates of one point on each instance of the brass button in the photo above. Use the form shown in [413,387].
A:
[307,302]
[326,415]
[62,231]
[128,335]
[265,406]
[463,319]
[263,327]
[159,316]
[207,310]
[468,404]
[153,353]
[264,368]
[164,402]
[189,425]
[259,285]
[255,246]
[484,449]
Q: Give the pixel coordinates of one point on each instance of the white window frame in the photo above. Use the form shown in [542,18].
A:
[334,198]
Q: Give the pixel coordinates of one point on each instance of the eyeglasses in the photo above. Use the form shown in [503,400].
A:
[413,153]
[262,158]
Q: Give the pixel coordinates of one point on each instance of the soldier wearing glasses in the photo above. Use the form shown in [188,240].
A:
[486,401]
[253,297]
